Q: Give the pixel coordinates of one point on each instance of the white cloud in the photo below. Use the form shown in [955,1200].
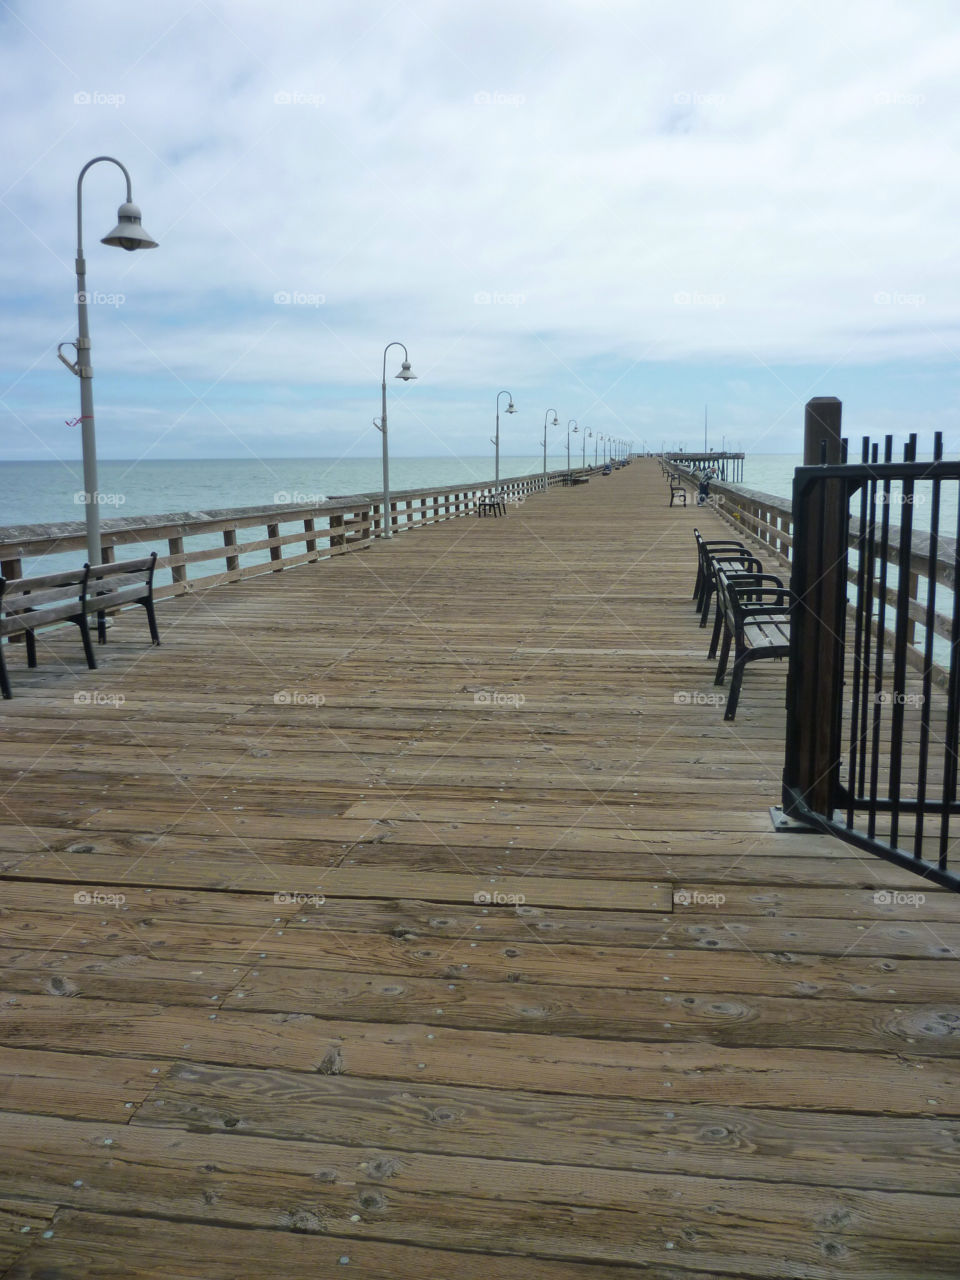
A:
[627,182]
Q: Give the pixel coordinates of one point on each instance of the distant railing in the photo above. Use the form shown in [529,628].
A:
[186,542]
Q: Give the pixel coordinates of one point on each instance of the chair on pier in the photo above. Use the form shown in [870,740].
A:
[753,611]
[493,504]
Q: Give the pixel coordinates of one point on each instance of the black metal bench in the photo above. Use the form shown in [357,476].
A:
[27,604]
[493,504]
[733,557]
[678,493]
[705,547]
[753,613]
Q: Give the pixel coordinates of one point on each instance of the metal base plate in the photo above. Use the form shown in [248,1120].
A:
[788,826]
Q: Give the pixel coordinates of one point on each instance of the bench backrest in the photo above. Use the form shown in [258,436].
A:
[109,586]
[26,603]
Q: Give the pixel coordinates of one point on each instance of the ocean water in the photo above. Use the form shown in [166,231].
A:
[43,492]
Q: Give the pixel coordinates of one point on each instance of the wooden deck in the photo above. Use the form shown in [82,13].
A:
[455,942]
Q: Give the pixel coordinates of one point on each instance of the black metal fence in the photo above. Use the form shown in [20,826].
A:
[873,696]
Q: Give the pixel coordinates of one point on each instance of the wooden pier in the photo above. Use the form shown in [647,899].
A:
[415,914]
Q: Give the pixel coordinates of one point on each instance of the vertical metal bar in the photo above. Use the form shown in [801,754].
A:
[953,712]
[871,574]
[929,619]
[857,673]
[901,625]
[881,645]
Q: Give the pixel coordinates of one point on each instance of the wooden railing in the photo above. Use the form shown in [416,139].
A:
[289,534]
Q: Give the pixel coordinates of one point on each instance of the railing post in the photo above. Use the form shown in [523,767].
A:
[818,622]
[230,540]
[178,572]
[311,543]
[336,539]
[276,553]
[821,424]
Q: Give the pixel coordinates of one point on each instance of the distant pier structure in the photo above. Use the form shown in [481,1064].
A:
[728,466]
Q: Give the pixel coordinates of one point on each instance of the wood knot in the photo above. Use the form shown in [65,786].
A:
[332,1064]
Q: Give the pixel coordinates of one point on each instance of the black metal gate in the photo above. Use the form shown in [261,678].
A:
[873,695]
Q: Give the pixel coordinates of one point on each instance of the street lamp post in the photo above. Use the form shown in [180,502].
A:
[555,423]
[573,423]
[127,234]
[496,439]
[583,459]
[408,376]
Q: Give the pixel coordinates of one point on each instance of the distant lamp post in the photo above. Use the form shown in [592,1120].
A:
[554,423]
[587,435]
[127,234]
[496,439]
[596,444]
[407,375]
[572,423]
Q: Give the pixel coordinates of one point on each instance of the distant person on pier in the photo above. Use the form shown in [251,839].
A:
[703,488]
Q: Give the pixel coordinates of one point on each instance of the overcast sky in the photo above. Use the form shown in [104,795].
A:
[623,210]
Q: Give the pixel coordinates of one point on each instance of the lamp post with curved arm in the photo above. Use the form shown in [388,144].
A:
[511,408]
[555,423]
[587,435]
[127,234]
[407,375]
[571,423]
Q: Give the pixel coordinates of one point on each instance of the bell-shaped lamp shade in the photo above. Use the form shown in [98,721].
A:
[556,421]
[406,373]
[511,408]
[128,233]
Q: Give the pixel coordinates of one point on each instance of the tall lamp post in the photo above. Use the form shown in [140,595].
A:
[407,375]
[555,423]
[572,423]
[127,234]
[496,439]
[587,435]
[596,445]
